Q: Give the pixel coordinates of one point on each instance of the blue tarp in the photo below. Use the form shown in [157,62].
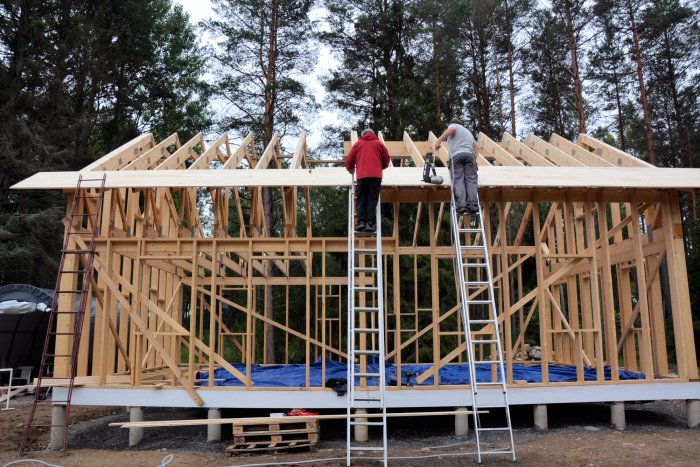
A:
[294,375]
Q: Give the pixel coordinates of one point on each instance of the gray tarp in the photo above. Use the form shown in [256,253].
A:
[23,321]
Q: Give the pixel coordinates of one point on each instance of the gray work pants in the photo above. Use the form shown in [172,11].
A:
[465,181]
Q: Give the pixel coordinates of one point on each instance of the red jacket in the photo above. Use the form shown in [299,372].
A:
[369,155]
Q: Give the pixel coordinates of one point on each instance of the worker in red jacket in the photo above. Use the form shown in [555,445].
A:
[369,156]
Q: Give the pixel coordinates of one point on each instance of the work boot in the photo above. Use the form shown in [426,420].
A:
[360,227]
[370,227]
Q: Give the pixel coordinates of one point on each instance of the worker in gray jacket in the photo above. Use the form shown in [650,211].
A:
[463,149]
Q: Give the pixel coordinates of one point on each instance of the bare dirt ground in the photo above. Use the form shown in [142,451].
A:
[579,435]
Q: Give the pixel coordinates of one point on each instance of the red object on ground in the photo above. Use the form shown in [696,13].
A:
[301,413]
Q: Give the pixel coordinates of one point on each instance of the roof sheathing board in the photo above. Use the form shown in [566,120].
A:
[520,176]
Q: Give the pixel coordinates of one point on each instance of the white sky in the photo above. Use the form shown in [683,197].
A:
[203,9]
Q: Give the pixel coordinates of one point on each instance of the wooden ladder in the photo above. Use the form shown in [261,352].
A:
[80,223]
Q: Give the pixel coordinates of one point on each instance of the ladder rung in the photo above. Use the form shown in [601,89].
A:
[367,399]
[484,341]
[475,283]
[474,265]
[488,383]
[468,230]
[364,269]
[366,289]
[366,448]
[492,406]
[494,429]
[481,321]
[366,352]
[509,451]
[59,355]
[76,252]
[486,361]
[479,302]
[367,309]
[365,250]
[367,330]
[66,312]
[472,247]
[367,424]
[367,375]
[69,291]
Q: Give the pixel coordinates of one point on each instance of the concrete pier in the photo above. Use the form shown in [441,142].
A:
[617,415]
[540,414]
[135,434]
[461,423]
[692,408]
[361,431]
[58,426]
[213,430]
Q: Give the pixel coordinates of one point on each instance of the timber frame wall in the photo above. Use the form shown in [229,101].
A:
[595,229]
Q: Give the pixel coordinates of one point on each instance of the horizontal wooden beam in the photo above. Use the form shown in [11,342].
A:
[521,176]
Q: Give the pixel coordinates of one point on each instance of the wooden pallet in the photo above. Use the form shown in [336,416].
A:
[273,434]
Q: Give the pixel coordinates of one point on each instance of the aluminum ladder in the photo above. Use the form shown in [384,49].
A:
[367,379]
[480,321]
[85,222]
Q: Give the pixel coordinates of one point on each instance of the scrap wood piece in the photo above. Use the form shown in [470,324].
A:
[15,391]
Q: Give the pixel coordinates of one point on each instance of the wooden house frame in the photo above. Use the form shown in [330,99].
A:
[596,230]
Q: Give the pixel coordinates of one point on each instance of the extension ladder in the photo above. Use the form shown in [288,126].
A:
[367,382]
[480,321]
[79,223]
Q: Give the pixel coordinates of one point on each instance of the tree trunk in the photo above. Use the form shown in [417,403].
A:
[642,87]
[620,117]
[686,156]
[436,81]
[511,81]
[268,131]
[501,123]
[578,85]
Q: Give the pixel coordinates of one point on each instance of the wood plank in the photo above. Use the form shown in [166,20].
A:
[489,148]
[177,159]
[550,152]
[611,154]
[153,156]
[124,154]
[562,178]
[213,152]
[518,149]
[577,152]
[413,151]
[299,158]
[272,151]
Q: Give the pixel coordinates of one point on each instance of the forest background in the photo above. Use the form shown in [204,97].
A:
[79,78]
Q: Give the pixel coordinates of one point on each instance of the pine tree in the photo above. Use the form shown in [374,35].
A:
[552,106]
[262,48]
[79,80]
[378,81]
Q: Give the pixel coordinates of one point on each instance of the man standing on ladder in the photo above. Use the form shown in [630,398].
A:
[370,156]
[463,150]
